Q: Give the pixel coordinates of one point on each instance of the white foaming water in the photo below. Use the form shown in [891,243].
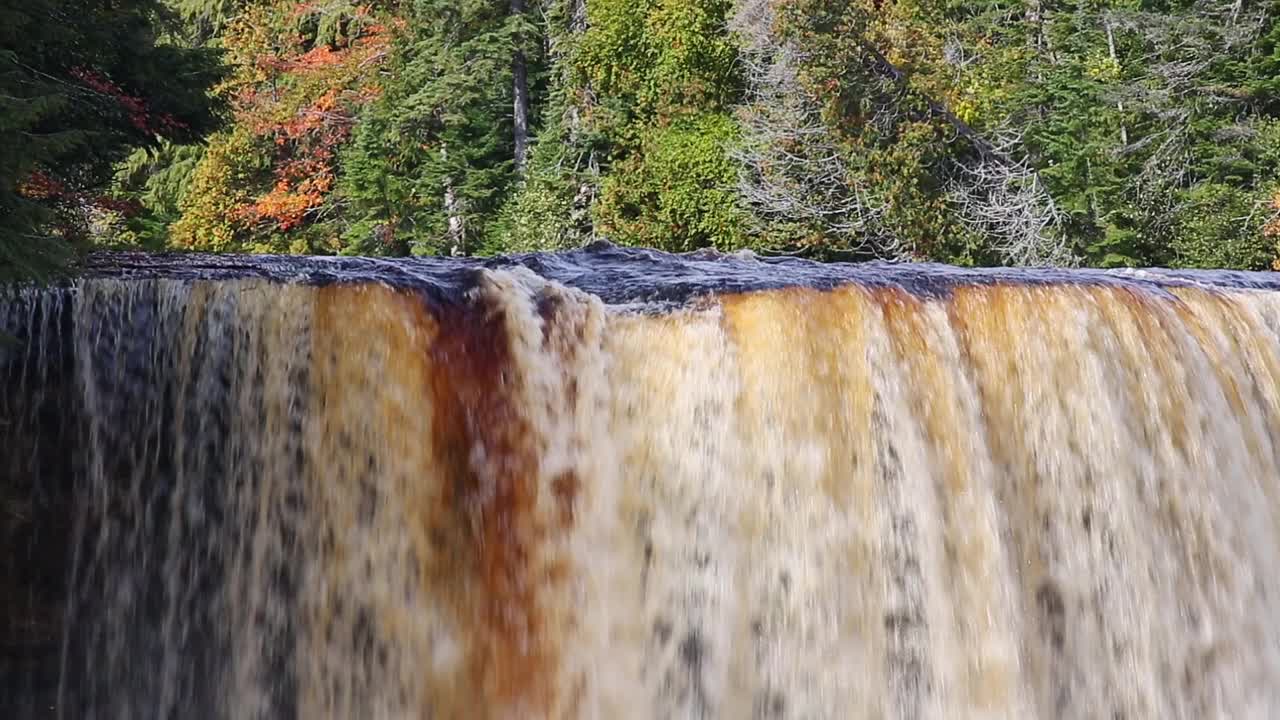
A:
[1040,500]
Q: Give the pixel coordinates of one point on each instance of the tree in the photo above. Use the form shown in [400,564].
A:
[205,19]
[81,84]
[303,74]
[862,137]
[663,78]
[980,132]
[1147,123]
[432,162]
[793,175]
[519,94]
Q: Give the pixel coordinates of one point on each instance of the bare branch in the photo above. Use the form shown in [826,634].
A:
[1006,202]
[790,167]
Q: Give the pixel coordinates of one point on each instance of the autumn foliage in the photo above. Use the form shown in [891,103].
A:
[304,71]
[1097,133]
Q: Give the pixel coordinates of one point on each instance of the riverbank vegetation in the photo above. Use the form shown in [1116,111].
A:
[1027,132]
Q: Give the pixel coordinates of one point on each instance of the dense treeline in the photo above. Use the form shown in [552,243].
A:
[1100,132]
[80,85]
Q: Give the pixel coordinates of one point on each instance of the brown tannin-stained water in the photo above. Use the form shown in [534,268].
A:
[620,484]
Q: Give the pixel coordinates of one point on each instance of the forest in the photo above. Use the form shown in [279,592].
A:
[985,132]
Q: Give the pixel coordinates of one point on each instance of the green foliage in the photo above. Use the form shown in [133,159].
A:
[148,191]
[437,148]
[678,192]
[206,18]
[1219,227]
[1149,125]
[874,77]
[651,58]
[665,75]
[1104,132]
[81,86]
[234,162]
[550,208]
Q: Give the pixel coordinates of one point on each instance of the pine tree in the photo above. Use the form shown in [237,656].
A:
[1160,138]
[80,85]
[978,132]
[550,206]
[663,78]
[432,161]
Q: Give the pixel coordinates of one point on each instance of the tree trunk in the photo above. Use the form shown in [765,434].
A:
[1037,38]
[520,95]
[456,234]
[457,224]
[1041,50]
[1111,50]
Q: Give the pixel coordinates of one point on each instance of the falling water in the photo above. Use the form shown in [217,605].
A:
[619,484]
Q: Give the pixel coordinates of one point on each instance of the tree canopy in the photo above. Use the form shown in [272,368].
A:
[82,84]
[1028,132]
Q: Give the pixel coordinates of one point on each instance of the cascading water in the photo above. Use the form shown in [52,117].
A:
[619,484]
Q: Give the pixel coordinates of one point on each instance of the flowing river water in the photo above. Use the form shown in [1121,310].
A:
[620,484]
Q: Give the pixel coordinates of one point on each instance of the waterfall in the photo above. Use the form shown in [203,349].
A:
[619,484]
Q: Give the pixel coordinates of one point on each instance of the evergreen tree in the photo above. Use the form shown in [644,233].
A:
[432,161]
[550,207]
[1153,125]
[663,78]
[80,85]
[1108,132]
